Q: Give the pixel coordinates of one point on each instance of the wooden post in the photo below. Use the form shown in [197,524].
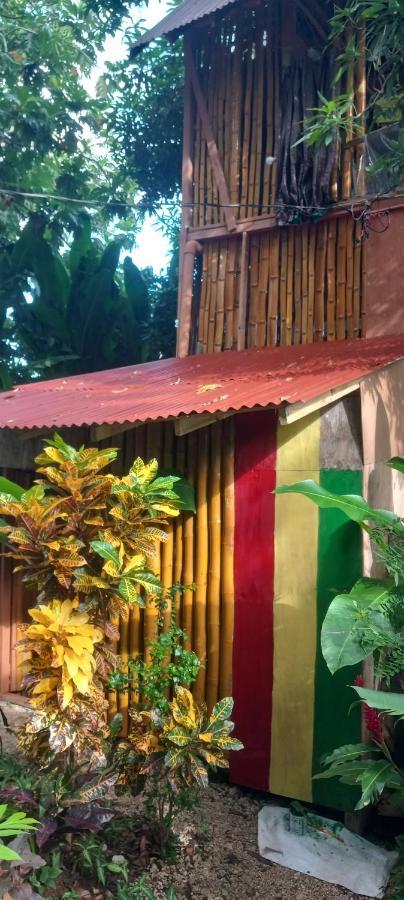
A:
[187,178]
[186,284]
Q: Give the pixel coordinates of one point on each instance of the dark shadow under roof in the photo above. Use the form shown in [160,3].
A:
[178,19]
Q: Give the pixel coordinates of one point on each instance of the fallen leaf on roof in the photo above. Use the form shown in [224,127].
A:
[207,387]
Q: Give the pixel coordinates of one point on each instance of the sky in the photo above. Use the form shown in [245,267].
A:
[153,249]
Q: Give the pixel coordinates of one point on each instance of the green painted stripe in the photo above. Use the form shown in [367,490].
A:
[339,566]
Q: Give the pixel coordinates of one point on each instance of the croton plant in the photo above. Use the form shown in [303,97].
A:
[84,539]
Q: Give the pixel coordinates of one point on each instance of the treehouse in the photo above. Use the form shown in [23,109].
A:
[265,566]
[281,244]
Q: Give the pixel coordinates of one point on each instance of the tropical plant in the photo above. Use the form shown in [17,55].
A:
[62,801]
[69,313]
[83,541]
[13,824]
[46,878]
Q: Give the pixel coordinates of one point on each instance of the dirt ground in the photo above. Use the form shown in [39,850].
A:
[219,858]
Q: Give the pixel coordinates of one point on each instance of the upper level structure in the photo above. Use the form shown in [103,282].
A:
[271,252]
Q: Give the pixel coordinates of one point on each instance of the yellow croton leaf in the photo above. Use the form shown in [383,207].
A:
[46,685]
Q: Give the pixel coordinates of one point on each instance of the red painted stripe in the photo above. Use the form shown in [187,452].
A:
[255,479]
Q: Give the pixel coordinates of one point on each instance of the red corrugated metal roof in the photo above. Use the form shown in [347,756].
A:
[179,18]
[197,384]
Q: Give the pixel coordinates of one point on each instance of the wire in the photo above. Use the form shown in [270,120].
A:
[142,205]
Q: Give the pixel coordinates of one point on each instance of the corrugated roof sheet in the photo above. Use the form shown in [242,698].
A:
[215,382]
[179,18]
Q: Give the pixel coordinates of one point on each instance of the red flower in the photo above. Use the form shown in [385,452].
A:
[372,720]
[373,723]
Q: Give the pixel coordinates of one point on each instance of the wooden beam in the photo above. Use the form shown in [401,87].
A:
[266,222]
[187,424]
[243,292]
[213,151]
[103,432]
[295,411]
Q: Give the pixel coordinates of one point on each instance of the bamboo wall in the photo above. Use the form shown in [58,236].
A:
[199,551]
[241,58]
[305,283]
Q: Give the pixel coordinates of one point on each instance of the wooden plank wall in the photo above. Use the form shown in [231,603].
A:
[199,551]
[305,283]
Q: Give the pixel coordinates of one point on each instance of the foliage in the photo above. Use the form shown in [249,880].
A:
[62,801]
[140,890]
[92,859]
[383,23]
[81,314]
[83,541]
[145,126]
[46,877]
[13,824]
[168,663]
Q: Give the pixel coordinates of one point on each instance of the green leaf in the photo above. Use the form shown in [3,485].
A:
[350,619]
[373,781]
[128,590]
[11,488]
[222,710]
[390,703]
[106,550]
[179,737]
[347,753]
[352,505]
[350,771]
[396,462]
[8,855]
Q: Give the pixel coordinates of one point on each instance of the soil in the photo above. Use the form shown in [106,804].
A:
[218,857]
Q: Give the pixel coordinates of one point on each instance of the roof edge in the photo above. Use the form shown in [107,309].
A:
[178,19]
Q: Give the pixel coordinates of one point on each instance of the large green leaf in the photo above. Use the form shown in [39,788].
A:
[374,779]
[352,505]
[106,550]
[351,622]
[393,704]
[10,487]
[349,772]
[347,753]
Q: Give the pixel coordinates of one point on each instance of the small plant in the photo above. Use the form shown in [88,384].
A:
[140,890]
[92,859]
[12,824]
[45,879]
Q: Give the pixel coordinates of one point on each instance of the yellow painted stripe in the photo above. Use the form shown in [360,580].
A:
[295,613]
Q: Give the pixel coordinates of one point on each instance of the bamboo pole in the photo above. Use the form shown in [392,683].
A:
[331,252]
[289,286]
[230,293]
[360,106]
[269,138]
[252,160]
[357,279]
[236,90]
[363,293]
[220,298]
[189,533]
[342,277]
[167,549]
[204,301]
[347,161]
[256,198]
[201,525]
[153,451]
[180,466]
[312,282]
[253,290]
[216,245]
[227,608]
[305,282]
[214,570]
[243,291]
[263,279]
[319,283]
[277,70]
[283,285]
[297,330]
[350,279]
[244,211]
[274,244]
